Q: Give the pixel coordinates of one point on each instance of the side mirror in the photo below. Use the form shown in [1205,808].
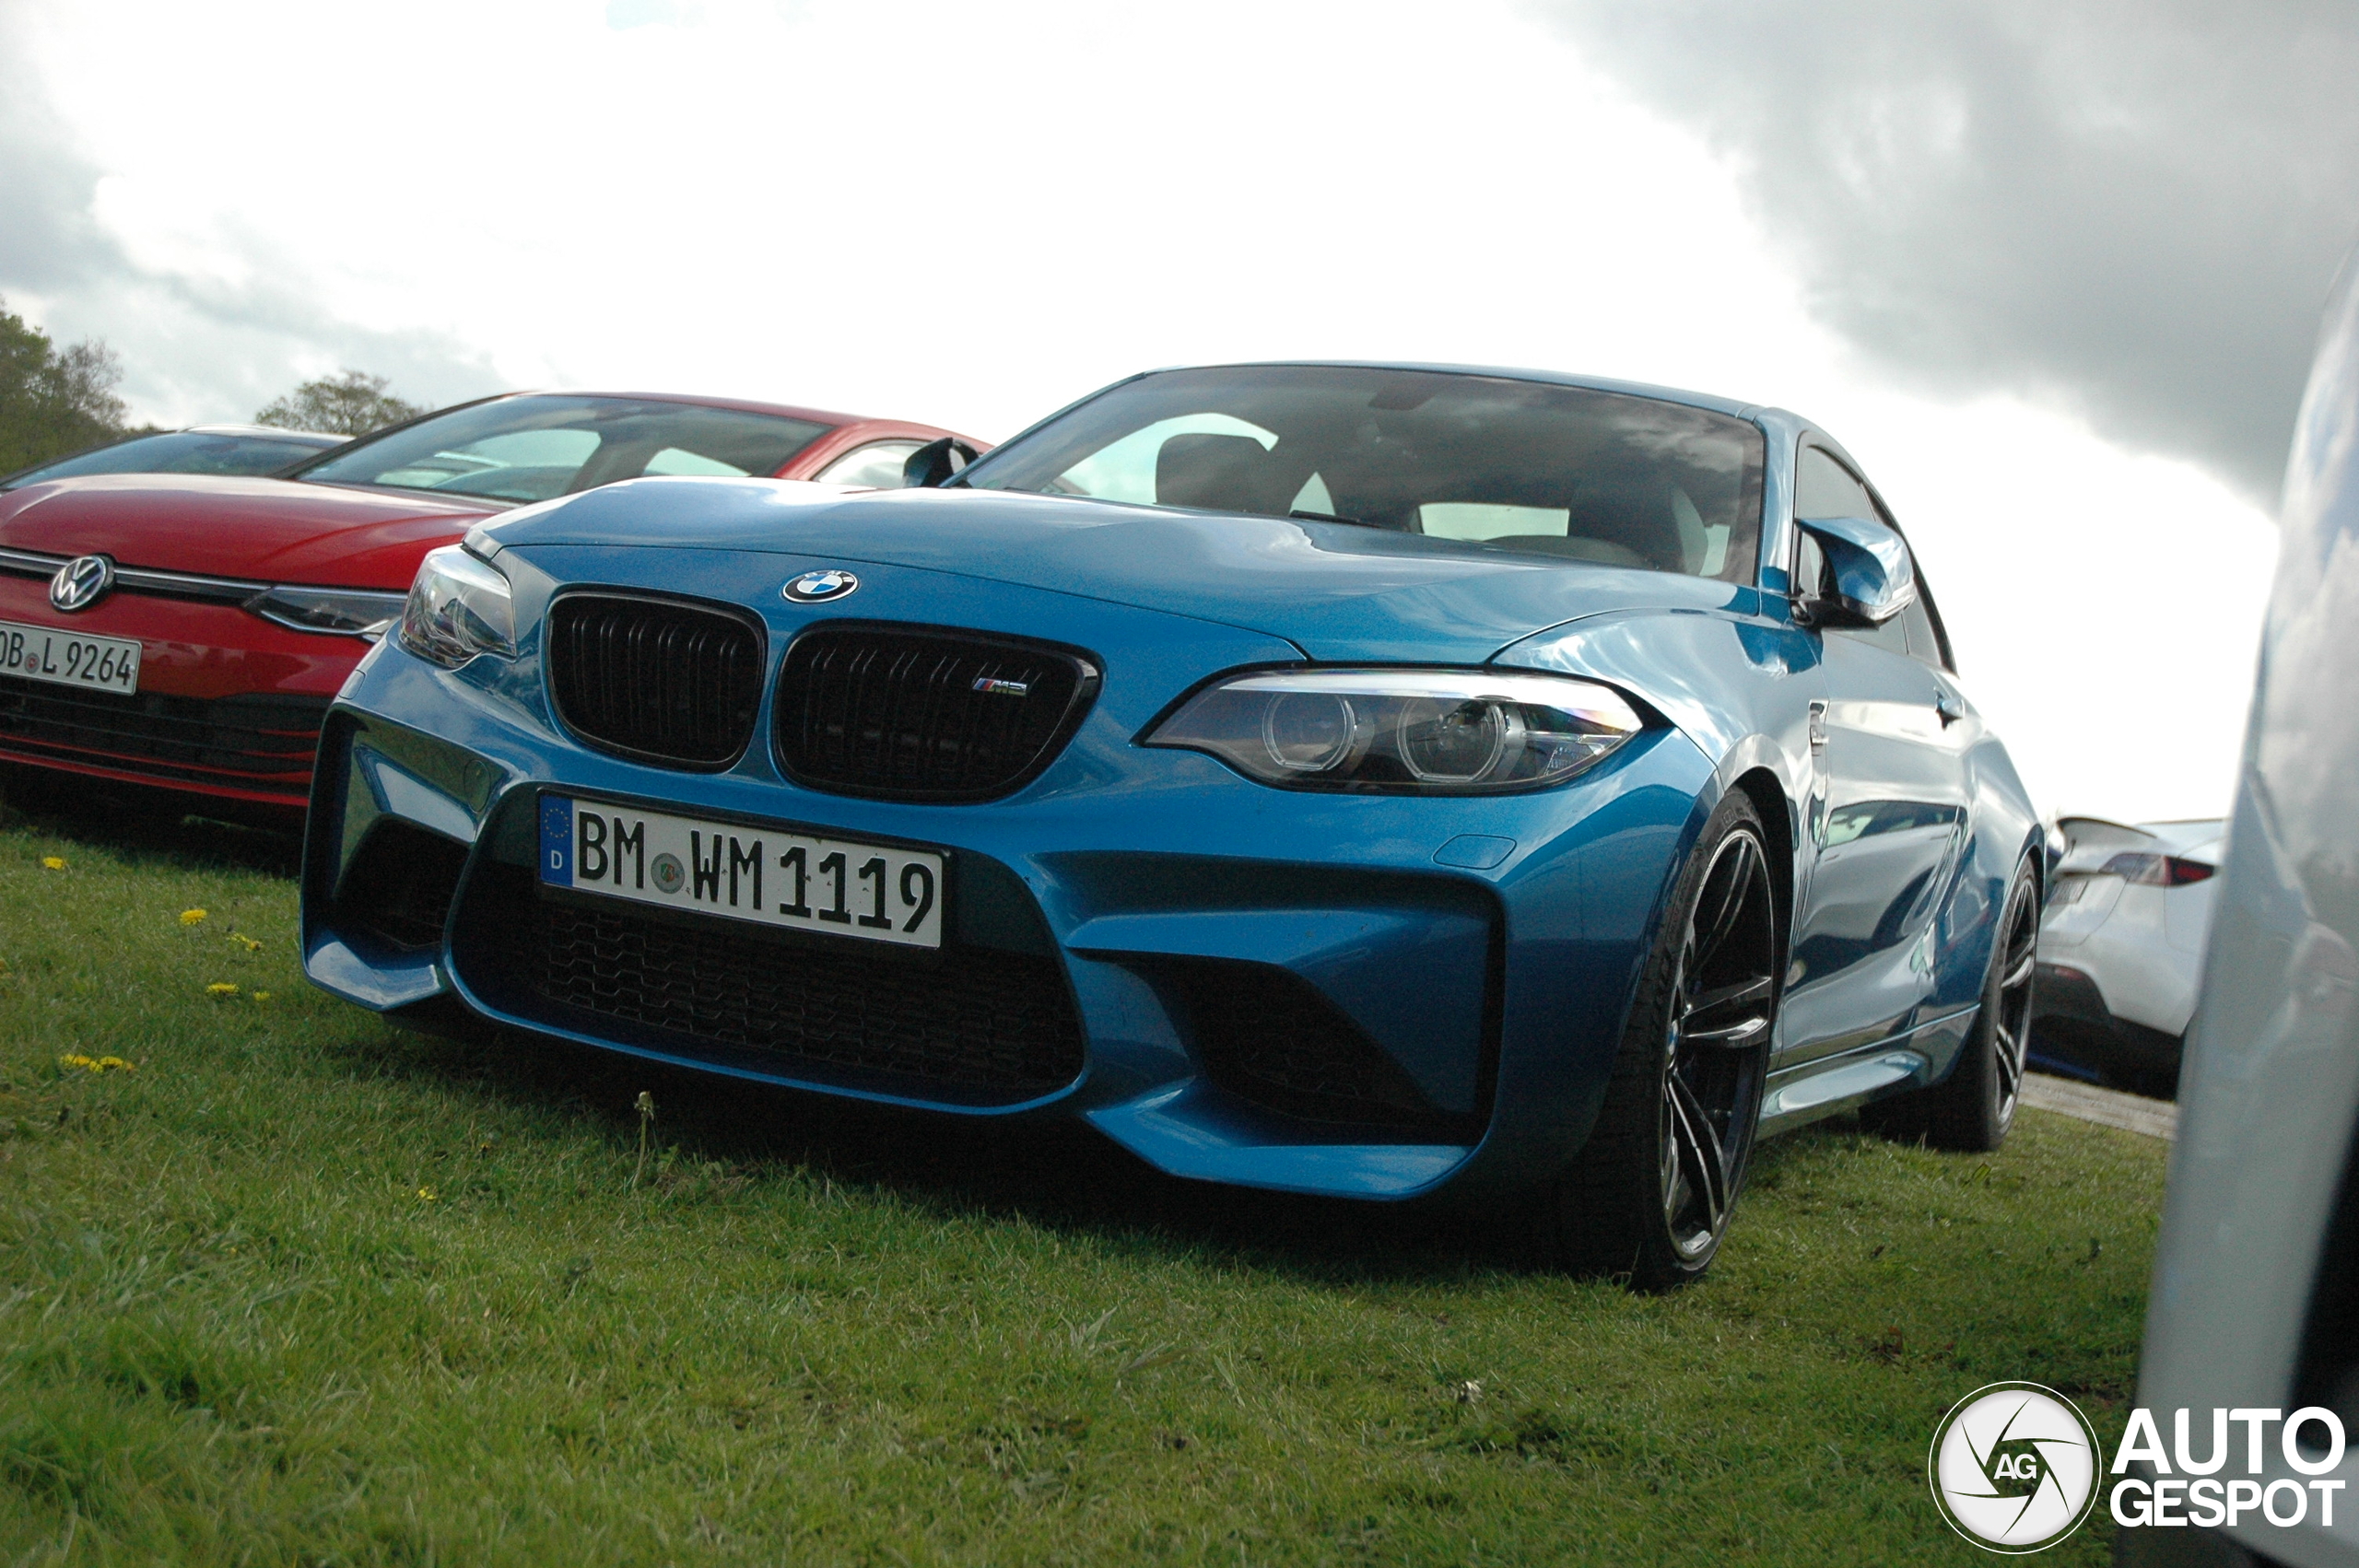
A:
[935,463]
[1868,580]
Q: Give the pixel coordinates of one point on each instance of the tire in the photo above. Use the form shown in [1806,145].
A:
[1649,1195]
[1973,1109]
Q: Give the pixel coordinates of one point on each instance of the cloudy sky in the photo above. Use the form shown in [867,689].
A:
[2051,271]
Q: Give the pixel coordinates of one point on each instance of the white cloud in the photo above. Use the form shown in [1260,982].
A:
[971,214]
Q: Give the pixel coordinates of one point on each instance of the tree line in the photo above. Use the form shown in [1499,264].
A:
[56,402]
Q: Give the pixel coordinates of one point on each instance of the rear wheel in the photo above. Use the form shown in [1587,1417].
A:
[1652,1193]
[1973,1109]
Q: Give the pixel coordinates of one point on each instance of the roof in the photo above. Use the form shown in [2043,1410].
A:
[1559,378]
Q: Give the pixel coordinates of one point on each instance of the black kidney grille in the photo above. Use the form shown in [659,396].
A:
[962,1023]
[922,715]
[653,679]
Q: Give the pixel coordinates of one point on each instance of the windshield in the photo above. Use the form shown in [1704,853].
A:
[530,449]
[1469,461]
[180,452]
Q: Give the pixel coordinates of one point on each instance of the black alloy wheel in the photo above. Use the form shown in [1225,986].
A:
[1973,1109]
[2009,1007]
[1651,1194]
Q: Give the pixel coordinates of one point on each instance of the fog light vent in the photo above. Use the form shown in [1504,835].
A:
[1266,1035]
[400,885]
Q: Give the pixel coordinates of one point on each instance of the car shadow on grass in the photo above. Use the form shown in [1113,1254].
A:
[1054,1174]
[147,827]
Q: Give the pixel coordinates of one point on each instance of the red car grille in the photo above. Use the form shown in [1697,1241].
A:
[240,742]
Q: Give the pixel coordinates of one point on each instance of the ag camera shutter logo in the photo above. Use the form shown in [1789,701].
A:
[2014,1467]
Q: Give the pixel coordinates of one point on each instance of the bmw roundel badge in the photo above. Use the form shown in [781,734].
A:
[818,588]
[82,582]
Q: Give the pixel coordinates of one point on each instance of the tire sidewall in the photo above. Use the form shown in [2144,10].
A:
[2023,887]
[1621,1162]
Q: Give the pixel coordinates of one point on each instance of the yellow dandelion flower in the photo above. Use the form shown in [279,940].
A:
[75,1058]
[53,862]
[115,1062]
[190,917]
[220,988]
[249,943]
[427,1195]
[260,996]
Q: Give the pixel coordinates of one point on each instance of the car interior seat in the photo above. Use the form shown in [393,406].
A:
[1223,474]
[1632,515]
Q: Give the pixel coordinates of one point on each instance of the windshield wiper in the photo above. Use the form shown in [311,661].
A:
[1331,517]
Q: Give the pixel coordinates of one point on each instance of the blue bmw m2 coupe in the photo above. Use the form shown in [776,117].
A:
[1379,782]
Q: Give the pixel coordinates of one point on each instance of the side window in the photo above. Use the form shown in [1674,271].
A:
[1824,488]
[877,464]
[1892,637]
[1924,640]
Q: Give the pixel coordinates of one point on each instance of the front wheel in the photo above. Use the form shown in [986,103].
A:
[1650,1195]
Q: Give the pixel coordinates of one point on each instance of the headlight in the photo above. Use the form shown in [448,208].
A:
[1402,731]
[346,612]
[458,607]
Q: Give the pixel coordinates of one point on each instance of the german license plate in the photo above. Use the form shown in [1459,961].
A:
[69,658]
[762,874]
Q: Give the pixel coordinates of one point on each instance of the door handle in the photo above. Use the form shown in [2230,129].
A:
[1950,707]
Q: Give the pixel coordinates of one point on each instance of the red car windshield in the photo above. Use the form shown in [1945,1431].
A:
[530,449]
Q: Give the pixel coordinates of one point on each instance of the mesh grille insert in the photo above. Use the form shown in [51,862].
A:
[655,680]
[920,714]
[964,1022]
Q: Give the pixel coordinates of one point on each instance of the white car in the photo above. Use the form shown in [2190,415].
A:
[2122,946]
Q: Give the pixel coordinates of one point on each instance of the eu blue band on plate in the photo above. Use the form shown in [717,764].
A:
[556,840]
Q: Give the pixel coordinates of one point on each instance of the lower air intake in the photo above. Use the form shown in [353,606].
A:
[1266,1035]
[970,1025]
[255,742]
[400,885]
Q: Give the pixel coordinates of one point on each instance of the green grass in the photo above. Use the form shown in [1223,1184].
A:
[304,1288]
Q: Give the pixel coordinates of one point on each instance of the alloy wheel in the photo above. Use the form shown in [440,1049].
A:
[1723,1001]
[2011,1020]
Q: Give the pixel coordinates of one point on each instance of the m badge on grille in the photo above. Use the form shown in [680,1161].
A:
[818,588]
[991,687]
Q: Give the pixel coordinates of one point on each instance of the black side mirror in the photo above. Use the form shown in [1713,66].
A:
[935,463]
[1870,579]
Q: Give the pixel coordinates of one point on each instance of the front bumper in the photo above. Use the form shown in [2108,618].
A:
[1283,991]
[229,705]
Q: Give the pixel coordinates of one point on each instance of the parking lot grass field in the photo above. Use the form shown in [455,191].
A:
[294,1286]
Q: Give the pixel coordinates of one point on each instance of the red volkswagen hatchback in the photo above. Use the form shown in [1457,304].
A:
[187,631]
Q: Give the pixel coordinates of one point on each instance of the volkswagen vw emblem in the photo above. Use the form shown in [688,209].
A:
[818,588]
[82,582]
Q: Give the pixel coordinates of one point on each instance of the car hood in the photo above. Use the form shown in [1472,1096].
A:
[1334,591]
[274,530]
